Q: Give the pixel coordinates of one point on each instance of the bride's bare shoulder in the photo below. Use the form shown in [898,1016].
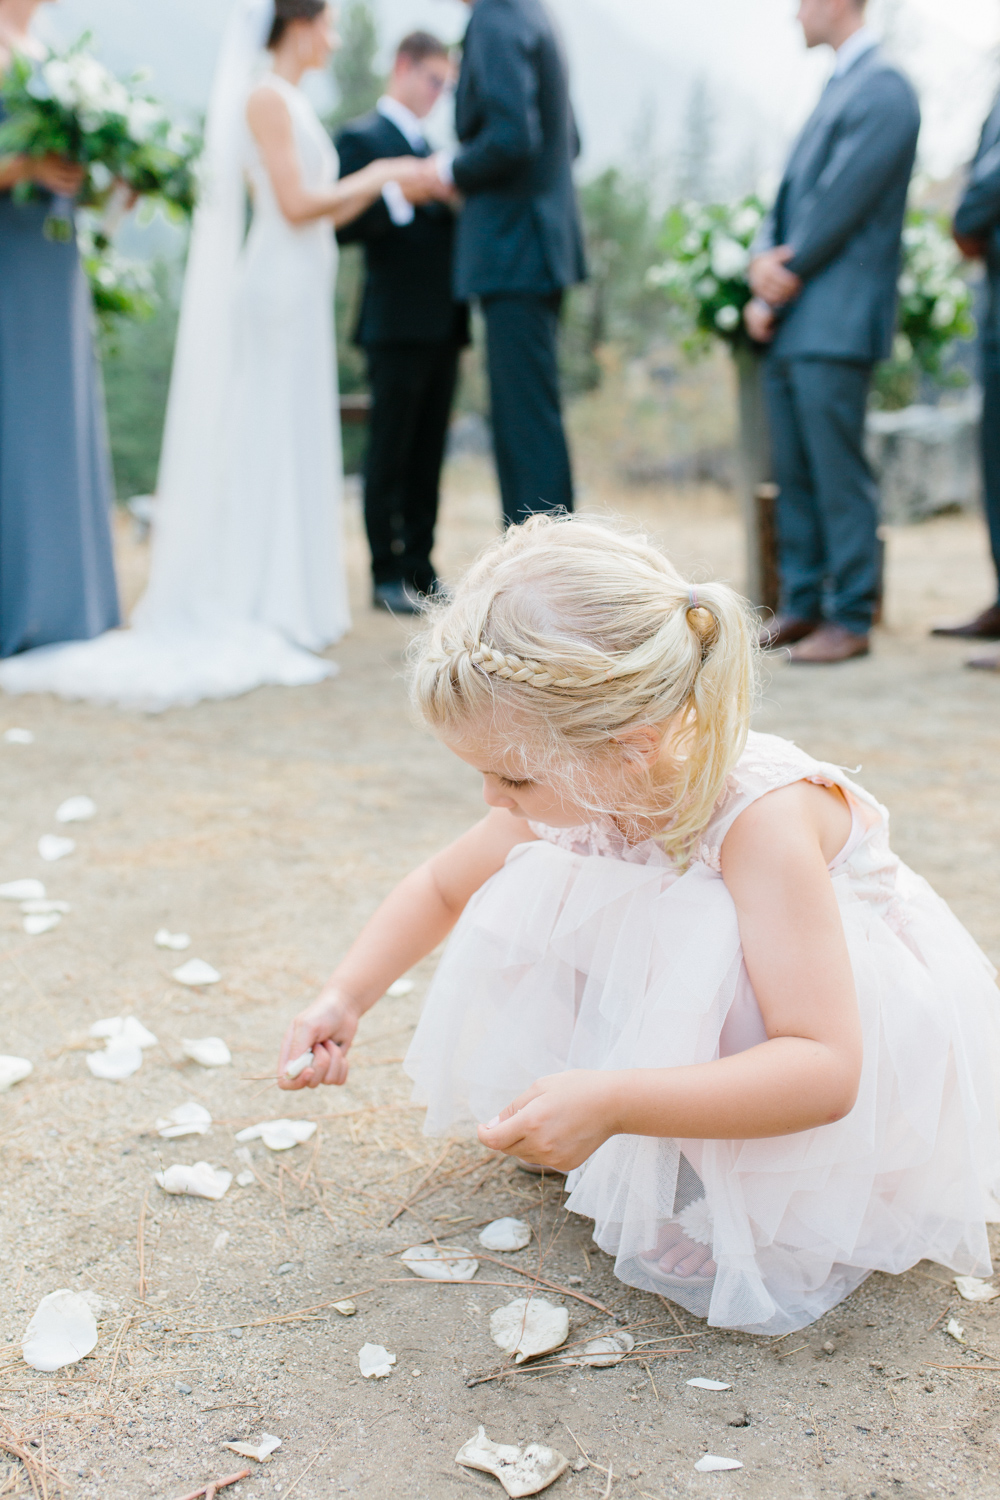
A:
[267,111]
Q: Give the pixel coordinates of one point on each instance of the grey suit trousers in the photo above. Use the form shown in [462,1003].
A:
[827,510]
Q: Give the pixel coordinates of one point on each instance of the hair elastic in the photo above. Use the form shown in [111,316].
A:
[693,599]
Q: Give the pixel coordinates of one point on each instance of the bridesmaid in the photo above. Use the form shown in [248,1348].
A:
[57,579]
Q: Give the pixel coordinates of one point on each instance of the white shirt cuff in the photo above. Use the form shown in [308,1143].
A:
[401,210]
[443,161]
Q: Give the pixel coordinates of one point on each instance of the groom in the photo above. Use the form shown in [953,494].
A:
[410,327]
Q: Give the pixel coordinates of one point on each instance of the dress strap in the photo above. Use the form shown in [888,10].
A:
[768,763]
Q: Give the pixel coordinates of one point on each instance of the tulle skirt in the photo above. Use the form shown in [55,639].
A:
[564,960]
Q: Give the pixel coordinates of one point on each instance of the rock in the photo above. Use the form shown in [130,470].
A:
[925,458]
[737,1418]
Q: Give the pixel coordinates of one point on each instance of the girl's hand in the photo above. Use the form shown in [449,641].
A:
[57,174]
[558,1122]
[326,1028]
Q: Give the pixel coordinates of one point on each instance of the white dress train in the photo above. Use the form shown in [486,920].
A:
[585,952]
[246,577]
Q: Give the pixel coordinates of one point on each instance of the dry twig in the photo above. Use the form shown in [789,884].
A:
[208,1491]
[140,1244]
[402,1207]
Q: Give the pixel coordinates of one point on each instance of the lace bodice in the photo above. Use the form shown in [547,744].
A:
[767,763]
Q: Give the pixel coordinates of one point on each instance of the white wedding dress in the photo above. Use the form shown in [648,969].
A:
[246,576]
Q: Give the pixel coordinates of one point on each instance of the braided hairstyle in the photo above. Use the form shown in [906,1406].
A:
[287,11]
[566,633]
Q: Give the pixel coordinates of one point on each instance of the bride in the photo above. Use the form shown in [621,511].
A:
[246,576]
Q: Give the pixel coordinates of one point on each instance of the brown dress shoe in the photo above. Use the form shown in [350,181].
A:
[984,663]
[828,644]
[985,627]
[785,630]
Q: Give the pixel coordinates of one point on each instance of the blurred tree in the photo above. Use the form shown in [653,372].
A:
[696,158]
[136,359]
[616,304]
[357,82]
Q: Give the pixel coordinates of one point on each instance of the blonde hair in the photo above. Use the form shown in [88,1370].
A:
[565,633]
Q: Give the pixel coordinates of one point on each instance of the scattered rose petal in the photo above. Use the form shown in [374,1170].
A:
[220,1242]
[299,1065]
[399,988]
[521,1471]
[525,1328]
[278,1135]
[35,924]
[346,1308]
[186,1119]
[611,1349]
[37,906]
[200,1181]
[209,1051]
[12,1070]
[22,890]
[118,1060]
[177,941]
[506,1234]
[76,810]
[710,1464]
[259,1451]
[244,1178]
[52,846]
[196,972]
[125,1029]
[441,1262]
[18,737]
[375,1361]
[975,1290]
[956,1331]
[701,1384]
[62,1331]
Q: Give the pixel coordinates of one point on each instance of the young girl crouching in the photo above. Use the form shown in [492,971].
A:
[685,966]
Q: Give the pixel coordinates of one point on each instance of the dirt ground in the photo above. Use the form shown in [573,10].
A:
[267,828]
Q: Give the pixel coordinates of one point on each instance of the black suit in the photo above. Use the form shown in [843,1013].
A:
[412,330]
[978,215]
[519,243]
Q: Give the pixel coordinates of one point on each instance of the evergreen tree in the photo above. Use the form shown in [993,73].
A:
[696,164]
[358,83]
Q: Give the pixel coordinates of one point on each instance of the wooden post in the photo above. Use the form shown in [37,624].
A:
[760,578]
[355,410]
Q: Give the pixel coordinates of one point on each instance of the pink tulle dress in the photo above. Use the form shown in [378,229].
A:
[586,952]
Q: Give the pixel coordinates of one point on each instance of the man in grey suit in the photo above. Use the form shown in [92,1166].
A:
[518,241]
[977,231]
[824,277]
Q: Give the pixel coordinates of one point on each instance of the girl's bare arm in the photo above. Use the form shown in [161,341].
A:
[774,862]
[409,924]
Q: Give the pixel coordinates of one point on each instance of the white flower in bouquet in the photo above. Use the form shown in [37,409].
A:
[746,221]
[729,258]
[144,119]
[727,318]
[706,288]
[943,313]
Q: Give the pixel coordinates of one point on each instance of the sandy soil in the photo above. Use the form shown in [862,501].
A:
[267,828]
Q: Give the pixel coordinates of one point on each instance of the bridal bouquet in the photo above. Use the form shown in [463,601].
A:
[68,104]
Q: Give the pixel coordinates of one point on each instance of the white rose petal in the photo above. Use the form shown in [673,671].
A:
[441,1262]
[195,973]
[526,1327]
[117,1061]
[38,922]
[127,1030]
[186,1119]
[76,810]
[710,1464]
[52,846]
[200,1181]
[279,1135]
[62,1331]
[505,1234]
[375,1362]
[176,941]
[209,1051]
[22,890]
[18,737]
[12,1070]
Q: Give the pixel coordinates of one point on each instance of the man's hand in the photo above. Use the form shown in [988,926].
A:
[57,174]
[759,321]
[326,1028]
[972,246]
[419,180]
[770,278]
[558,1122]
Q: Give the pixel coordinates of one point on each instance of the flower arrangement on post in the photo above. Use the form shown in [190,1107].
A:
[68,104]
[705,270]
[935,310]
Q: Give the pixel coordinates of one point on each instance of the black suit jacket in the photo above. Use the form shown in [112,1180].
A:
[408,284]
[520,228]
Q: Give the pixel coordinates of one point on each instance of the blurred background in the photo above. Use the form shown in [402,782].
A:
[679,106]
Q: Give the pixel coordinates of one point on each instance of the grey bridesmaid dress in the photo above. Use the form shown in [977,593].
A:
[57,580]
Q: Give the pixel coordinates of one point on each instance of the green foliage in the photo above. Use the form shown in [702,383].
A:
[358,83]
[616,303]
[120,288]
[935,310]
[136,359]
[704,274]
